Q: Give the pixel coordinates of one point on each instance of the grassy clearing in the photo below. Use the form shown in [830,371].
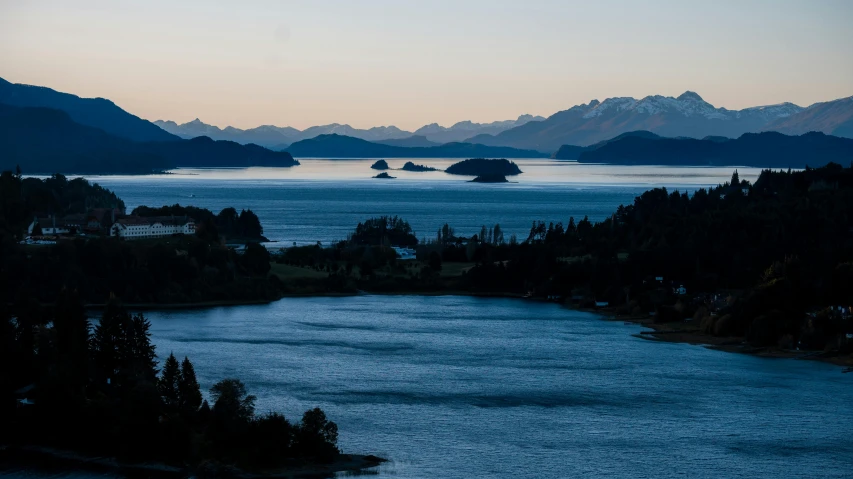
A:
[287,272]
[454,269]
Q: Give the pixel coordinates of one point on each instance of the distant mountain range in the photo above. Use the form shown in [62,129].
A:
[47,140]
[412,141]
[48,131]
[95,112]
[764,150]
[277,137]
[688,115]
[339,146]
[466,129]
[831,117]
[281,137]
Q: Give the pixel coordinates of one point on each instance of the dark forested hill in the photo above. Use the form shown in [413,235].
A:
[339,146]
[44,140]
[412,141]
[573,152]
[95,112]
[207,153]
[767,149]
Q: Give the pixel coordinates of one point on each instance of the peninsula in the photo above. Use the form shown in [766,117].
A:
[767,149]
[339,146]
[409,166]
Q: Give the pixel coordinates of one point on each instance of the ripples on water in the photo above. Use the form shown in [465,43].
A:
[457,387]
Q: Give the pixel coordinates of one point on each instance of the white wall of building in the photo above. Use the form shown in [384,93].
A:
[154,230]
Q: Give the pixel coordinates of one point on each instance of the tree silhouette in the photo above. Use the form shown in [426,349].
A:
[121,348]
[169,382]
[231,402]
[188,388]
[435,261]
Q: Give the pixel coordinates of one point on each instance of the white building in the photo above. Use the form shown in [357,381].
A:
[138,227]
[49,226]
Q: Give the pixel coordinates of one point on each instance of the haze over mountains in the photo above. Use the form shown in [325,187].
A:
[281,137]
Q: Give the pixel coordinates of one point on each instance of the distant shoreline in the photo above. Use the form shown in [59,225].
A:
[35,456]
[686,333]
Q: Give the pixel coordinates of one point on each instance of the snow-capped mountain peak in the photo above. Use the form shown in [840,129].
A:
[690,95]
[610,104]
[780,110]
[687,104]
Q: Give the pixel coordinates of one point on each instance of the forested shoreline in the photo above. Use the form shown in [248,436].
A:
[768,265]
[768,262]
[96,387]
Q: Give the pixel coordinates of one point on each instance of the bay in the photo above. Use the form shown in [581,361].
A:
[461,387]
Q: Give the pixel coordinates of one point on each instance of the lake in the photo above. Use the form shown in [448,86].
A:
[460,387]
[323,200]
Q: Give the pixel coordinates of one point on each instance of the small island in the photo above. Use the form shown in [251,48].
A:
[490,179]
[409,166]
[483,166]
[380,165]
[384,176]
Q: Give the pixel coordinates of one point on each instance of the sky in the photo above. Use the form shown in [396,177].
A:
[409,63]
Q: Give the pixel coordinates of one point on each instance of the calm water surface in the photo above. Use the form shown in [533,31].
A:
[458,387]
[323,200]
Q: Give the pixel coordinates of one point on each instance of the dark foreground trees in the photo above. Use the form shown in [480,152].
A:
[238,434]
[102,394]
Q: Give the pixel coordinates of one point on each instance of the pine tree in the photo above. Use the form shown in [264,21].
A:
[498,235]
[189,391]
[140,353]
[204,412]
[71,327]
[105,343]
[169,383]
[121,348]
